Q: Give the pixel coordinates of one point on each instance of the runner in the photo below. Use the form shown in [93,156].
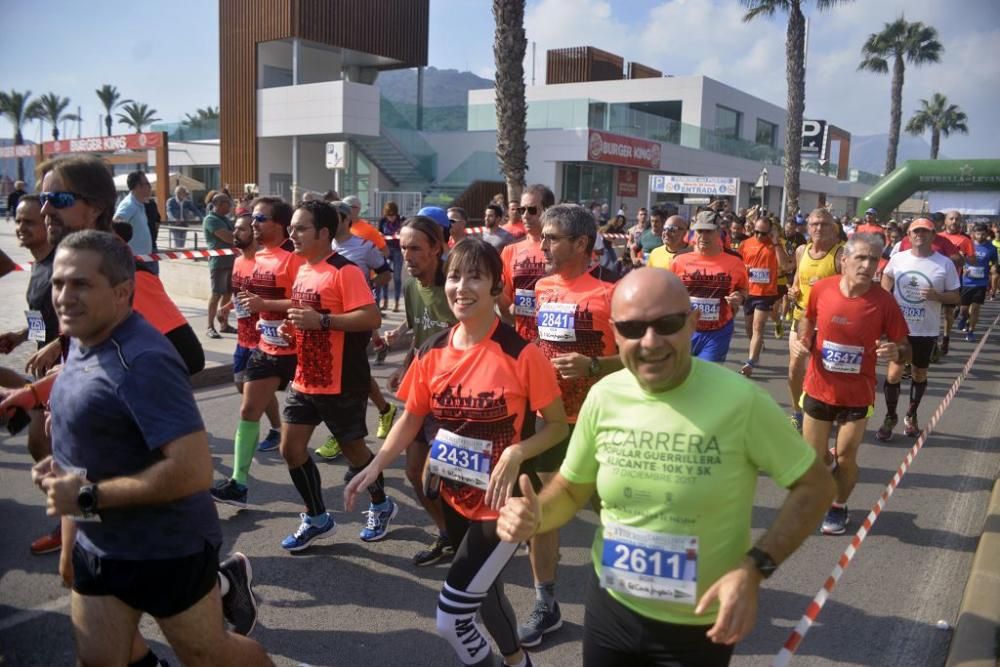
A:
[871,225]
[922,280]
[764,256]
[849,322]
[976,280]
[515,223]
[682,540]
[819,258]
[332,315]
[371,262]
[717,282]
[524,263]
[480,382]
[792,238]
[954,231]
[573,312]
[427,313]
[649,239]
[247,334]
[674,231]
[272,364]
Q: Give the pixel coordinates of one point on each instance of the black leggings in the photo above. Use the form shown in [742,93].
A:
[473,586]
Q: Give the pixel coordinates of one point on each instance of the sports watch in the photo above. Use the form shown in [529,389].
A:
[324,321]
[595,366]
[763,562]
[86,499]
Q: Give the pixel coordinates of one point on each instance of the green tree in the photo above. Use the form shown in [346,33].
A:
[509,46]
[795,80]
[52,109]
[137,115]
[940,118]
[201,117]
[901,42]
[111,99]
[14,107]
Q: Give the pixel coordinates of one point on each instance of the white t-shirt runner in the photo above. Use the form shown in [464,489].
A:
[911,274]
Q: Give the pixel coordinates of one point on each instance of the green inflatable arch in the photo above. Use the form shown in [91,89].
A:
[920,175]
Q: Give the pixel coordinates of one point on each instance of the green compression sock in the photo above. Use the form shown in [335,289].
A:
[243,449]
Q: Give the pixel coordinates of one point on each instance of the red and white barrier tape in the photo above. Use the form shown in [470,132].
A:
[784,656]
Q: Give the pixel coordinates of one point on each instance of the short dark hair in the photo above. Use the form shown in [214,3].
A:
[542,192]
[324,216]
[281,212]
[90,177]
[29,198]
[473,252]
[937,217]
[460,212]
[117,261]
[132,181]
[496,209]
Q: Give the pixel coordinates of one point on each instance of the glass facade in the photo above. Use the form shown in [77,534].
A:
[767,133]
[585,182]
[727,122]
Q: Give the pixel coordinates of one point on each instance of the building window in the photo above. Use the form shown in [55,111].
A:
[727,122]
[767,133]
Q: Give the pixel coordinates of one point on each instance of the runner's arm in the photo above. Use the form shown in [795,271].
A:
[560,500]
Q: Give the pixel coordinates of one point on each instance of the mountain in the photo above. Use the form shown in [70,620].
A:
[442,87]
[868,151]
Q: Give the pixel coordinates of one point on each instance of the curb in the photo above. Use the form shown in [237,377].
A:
[976,642]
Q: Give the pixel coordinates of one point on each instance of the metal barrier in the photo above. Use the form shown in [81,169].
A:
[177,237]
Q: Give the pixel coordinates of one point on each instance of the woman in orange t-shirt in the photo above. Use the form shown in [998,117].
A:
[479,382]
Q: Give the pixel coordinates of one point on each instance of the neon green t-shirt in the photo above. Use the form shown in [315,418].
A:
[676,473]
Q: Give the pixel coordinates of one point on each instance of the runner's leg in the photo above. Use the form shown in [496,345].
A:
[104,628]
[849,438]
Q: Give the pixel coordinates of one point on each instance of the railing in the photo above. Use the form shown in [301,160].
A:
[169,235]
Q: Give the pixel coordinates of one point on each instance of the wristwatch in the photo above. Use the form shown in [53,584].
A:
[763,562]
[86,498]
[324,321]
[595,366]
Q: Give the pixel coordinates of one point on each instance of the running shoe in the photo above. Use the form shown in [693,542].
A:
[746,369]
[47,544]
[970,337]
[379,517]
[884,432]
[381,354]
[228,329]
[271,442]
[779,329]
[385,421]
[835,522]
[961,324]
[329,450]
[307,533]
[230,492]
[540,622]
[796,420]
[239,606]
[212,333]
[910,428]
[439,550]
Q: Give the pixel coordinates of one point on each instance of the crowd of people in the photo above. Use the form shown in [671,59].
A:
[538,380]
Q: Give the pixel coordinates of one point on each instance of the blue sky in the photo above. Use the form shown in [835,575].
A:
[166,53]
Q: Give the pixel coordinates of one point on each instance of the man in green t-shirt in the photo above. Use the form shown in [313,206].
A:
[676,471]
[650,239]
[218,230]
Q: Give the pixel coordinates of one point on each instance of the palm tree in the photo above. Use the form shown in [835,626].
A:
[795,78]
[51,108]
[509,46]
[940,117]
[901,42]
[111,99]
[137,115]
[14,107]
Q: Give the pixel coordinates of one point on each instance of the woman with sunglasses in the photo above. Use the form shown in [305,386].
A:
[481,383]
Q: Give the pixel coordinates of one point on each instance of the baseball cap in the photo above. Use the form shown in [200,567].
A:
[352,201]
[922,223]
[706,221]
[872,211]
[438,215]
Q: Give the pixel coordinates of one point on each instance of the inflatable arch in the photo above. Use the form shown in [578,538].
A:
[921,175]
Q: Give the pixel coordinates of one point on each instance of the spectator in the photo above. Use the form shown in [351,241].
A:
[389,227]
[14,197]
[218,230]
[132,210]
[181,212]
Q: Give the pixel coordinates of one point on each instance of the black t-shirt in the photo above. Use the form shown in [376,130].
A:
[12,200]
[40,295]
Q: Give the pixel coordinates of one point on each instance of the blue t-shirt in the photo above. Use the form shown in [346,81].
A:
[133,211]
[113,406]
[979,275]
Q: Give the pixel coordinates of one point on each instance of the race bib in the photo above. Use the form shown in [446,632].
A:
[913,314]
[269,332]
[36,325]
[839,358]
[650,565]
[524,302]
[242,312]
[557,322]
[710,308]
[461,459]
[975,272]
[760,276]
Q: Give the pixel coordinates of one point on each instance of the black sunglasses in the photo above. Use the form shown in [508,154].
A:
[760,233]
[59,199]
[663,326]
[257,217]
[530,210]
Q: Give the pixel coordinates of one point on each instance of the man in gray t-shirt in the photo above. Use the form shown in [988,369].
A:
[495,235]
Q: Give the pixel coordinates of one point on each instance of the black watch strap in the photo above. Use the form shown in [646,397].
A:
[762,561]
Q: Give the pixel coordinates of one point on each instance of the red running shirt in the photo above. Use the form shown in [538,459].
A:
[483,395]
[575,316]
[841,367]
[709,280]
[274,274]
[939,244]
[761,261]
[523,264]
[247,334]
[333,361]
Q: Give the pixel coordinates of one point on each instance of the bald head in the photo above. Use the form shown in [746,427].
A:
[647,293]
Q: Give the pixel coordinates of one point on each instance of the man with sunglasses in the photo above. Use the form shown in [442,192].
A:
[676,575]
[573,316]
[674,242]
[524,263]
[515,224]
[717,282]
[764,257]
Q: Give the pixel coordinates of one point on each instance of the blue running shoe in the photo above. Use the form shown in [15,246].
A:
[308,533]
[271,442]
[379,517]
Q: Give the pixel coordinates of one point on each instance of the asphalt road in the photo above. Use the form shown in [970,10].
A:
[350,603]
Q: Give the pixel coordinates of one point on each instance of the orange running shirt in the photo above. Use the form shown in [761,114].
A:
[247,334]
[151,301]
[865,228]
[574,316]
[333,361]
[479,398]
[523,264]
[362,229]
[516,229]
[709,280]
[962,242]
[761,261]
[273,276]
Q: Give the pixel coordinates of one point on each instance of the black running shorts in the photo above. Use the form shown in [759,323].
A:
[263,365]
